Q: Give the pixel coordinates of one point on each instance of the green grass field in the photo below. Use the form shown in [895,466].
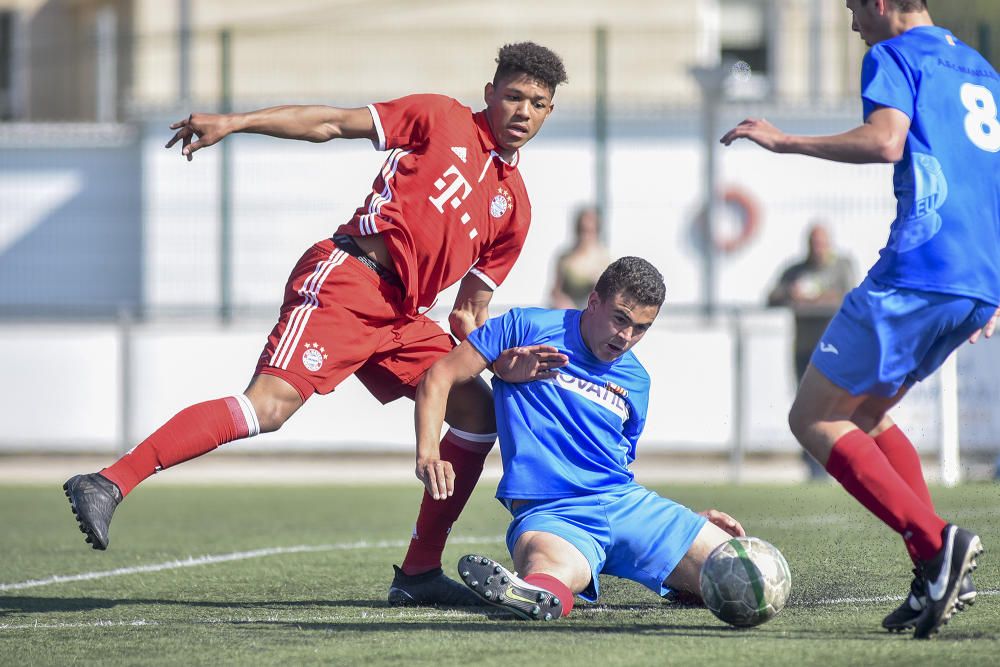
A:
[299,575]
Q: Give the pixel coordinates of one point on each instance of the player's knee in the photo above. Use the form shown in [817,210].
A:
[799,421]
[470,408]
[271,416]
[872,417]
[274,400]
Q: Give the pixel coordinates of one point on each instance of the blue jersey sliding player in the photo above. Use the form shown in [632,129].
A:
[930,107]
[567,440]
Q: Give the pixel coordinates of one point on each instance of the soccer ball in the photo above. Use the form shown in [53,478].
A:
[745,581]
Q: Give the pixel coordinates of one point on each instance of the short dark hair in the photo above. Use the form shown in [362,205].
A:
[529,58]
[633,277]
[906,5]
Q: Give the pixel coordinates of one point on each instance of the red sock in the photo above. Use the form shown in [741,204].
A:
[192,432]
[554,586]
[466,452]
[903,458]
[863,470]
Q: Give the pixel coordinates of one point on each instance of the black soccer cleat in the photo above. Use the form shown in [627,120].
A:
[905,615]
[498,586]
[943,576]
[93,499]
[429,589]
[686,599]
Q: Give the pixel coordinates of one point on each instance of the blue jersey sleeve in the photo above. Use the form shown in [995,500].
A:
[498,334]
[886,81]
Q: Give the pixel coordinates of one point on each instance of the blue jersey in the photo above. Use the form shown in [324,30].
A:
[946,235]
[572,435]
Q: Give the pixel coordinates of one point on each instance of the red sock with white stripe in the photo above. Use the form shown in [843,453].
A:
[864,471]
[903,458]
[466,452]
[554,586]
[193,431]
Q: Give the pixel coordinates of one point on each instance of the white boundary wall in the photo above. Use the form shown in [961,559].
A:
[65,389]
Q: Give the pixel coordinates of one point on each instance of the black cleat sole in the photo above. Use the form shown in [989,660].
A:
[92,539]
[498,586]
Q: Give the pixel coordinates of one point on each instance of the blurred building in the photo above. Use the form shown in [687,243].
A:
[114,59]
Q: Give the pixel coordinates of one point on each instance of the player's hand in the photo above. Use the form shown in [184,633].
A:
[987,330]
[725,522]
[527,363]
[758,131]
[438,477]
[206,128]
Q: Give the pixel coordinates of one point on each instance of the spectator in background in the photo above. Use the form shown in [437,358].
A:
[814,289]
[578,269]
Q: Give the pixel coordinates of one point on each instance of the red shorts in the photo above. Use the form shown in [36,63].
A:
[339,317]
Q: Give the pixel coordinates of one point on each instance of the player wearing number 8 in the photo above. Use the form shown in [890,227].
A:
[930,107]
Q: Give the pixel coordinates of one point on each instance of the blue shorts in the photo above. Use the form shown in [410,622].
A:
[884,338]
[631,533]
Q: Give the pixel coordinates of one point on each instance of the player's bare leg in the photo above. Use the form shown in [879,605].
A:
[821,419]
[266,404]
[685,578]
[421,580]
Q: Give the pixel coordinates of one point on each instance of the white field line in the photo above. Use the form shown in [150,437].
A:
[60,626]
[398,544]
[193,561]
[410,614]
[839,518]
[879,599]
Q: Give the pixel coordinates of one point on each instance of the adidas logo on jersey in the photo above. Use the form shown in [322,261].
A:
[460,152]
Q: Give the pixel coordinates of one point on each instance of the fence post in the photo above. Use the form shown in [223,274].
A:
[711,81]
[951,474]
[601,127]
[985,43]
[184,53]
[225,185]
[125,393]
[737,453]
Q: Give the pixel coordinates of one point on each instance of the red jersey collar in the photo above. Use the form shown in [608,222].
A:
[489,143]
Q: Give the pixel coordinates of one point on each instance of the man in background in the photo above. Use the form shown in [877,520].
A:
[813,288]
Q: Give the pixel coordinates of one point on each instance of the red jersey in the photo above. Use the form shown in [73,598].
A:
[445,202]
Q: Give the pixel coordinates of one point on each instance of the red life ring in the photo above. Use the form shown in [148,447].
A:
[749,213]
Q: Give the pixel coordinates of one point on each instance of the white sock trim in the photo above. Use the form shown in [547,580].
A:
[249,414]
[482,438]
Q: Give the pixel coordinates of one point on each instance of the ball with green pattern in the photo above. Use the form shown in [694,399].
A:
[745,581]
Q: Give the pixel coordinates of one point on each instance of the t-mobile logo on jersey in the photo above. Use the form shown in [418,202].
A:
[449,190]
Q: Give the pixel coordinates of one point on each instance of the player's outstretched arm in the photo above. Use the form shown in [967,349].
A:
[314,123]
[463,364]
[881,138]
[987,330]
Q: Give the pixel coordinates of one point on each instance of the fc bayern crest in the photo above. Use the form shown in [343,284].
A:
[313,357]
[500,203]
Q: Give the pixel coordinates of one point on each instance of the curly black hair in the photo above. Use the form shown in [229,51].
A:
[529,58]
[633,277]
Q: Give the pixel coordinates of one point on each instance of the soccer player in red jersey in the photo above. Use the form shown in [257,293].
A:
[449,197]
